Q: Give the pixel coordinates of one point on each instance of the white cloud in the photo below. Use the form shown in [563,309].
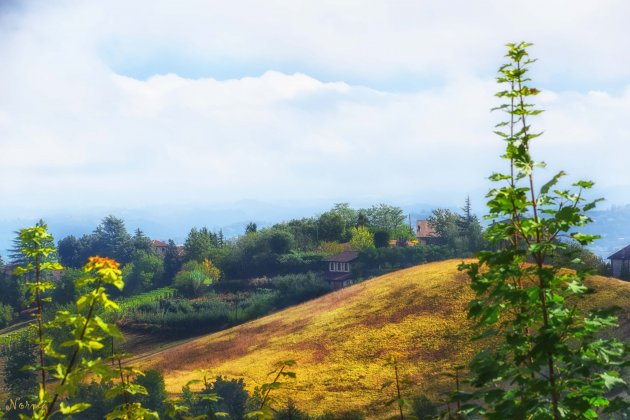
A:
[318,121]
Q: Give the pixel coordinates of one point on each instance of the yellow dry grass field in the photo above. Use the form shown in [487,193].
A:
[341,341]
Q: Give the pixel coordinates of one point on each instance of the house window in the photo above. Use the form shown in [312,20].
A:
[346,267]
[338,267]
[331,266]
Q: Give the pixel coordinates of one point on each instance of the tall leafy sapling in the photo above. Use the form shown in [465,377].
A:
[548,359]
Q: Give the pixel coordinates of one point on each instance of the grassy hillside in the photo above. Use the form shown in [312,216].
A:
[340,341]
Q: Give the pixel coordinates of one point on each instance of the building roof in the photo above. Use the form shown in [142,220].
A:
[345,256]
[424,230]
[159,244]
[622,254]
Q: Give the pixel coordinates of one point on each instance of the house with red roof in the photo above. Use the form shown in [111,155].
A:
[159,247]
[425,234]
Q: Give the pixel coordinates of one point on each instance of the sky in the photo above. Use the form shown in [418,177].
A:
[117,106]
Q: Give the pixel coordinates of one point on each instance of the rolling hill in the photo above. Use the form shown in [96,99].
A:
[341,341]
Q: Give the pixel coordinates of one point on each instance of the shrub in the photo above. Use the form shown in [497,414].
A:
[232,394]
[20,353]
[260,304]
[94,393]
[194,279]
[6,315]
[381,239]
[180,314]
[153,382]
[423,408]
[297,288]
[299,262]
[291,412]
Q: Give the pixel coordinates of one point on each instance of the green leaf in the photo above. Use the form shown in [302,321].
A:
[611,380]
[111,329]
[75,408]
[545,188]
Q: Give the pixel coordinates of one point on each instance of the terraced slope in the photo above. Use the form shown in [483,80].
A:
[340,341]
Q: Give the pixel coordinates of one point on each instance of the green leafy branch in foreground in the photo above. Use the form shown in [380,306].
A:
[264,410]
[397,382]
[73,359]
[548,359]
[35,246]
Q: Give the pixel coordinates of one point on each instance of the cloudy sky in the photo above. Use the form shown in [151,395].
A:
[155,103]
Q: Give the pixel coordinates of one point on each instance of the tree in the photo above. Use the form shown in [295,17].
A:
[172,262]
[385,217]
[251,228]
[361,238]
[18,257]
[280,241]
[65,290]
[112,240]
[331,227]
[141,242]
[381,239]
[347,213]
[200,243]
[146,273]
[463,233]
[549,359]
[362,219]
[470,229]
[69,250]
[304,231]
[12,290]
[445,223]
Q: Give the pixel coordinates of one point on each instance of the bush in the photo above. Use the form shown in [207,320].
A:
[6,315]
[423,408]
[300,262]
[381,239]
[297,288]
[180,314]
[19,382]
[291,412]
[94,393]
[65,291]
[232,394]
[153,381]
[260,304]
[194,279]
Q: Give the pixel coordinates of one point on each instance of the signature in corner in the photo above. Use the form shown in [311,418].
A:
[17,404]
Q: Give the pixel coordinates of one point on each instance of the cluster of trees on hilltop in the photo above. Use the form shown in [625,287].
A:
[292,247]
